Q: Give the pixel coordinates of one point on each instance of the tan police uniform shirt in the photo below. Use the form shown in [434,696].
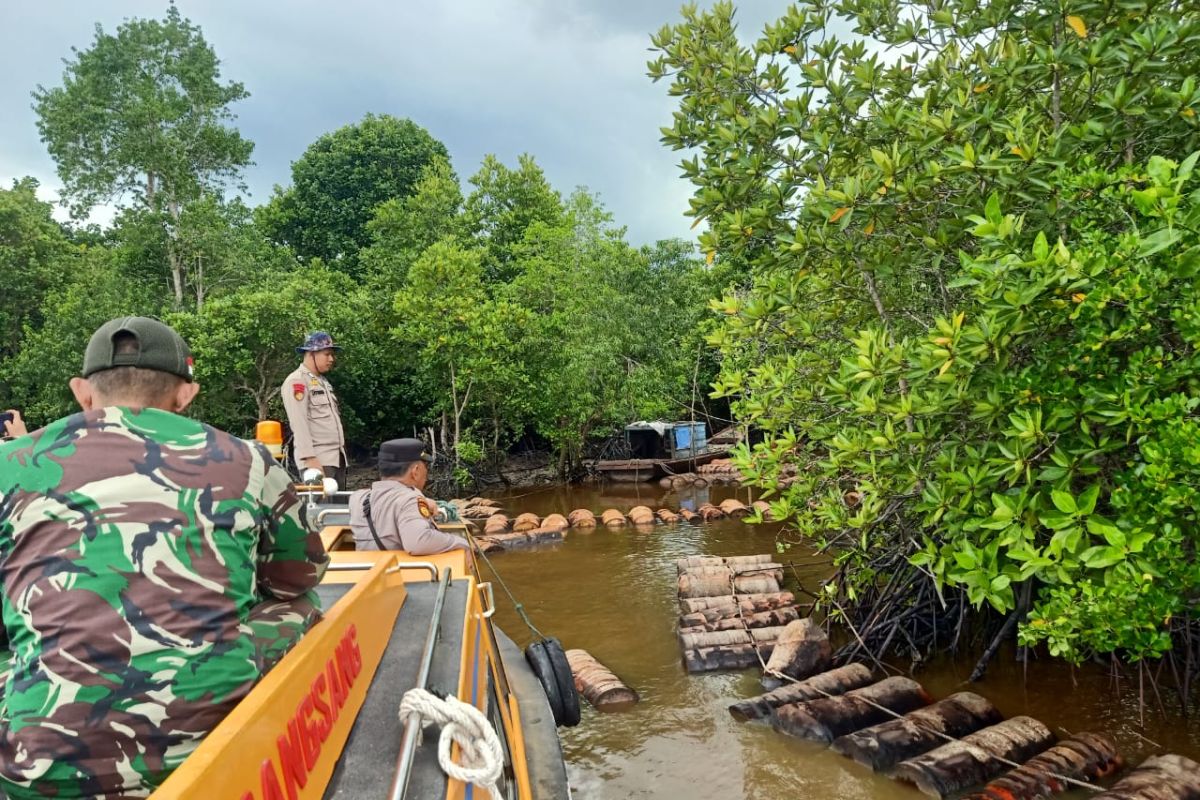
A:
[401,520]
[315,419]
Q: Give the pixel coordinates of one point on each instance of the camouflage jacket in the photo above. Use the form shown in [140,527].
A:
[133,546]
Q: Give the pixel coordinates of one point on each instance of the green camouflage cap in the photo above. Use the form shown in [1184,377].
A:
[159,348]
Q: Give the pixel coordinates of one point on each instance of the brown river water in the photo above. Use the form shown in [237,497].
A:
[612,592]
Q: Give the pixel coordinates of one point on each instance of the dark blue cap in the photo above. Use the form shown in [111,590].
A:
[317,341]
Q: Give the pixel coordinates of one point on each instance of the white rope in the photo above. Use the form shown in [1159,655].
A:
[482,756]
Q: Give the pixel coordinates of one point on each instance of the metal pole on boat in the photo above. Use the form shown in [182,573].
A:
[408,742]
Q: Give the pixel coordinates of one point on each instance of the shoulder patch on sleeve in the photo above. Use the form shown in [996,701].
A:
[424,509]
[298,391]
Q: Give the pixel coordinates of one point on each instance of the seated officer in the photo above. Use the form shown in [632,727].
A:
[152,569]
[394,514]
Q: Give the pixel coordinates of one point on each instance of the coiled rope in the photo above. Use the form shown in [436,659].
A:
[482,757]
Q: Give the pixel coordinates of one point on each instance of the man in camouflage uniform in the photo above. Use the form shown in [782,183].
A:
[312,410]
[152,569]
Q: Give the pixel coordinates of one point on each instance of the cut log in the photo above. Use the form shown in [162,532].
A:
[665,482]
[679,481]
[483,501]
[744,561]
[1169,777]
[705,586]
[755,584]
[612,518]
[496,523]
[694,641]
[540,535]
[764,508]
[955,766]
[689,515]
[776,617]
[594,681]
[773,570]
[555,521]
[582,518]
[486,544]
[1083,757]
[732,656]
[716,571]
[526,522]
[728,606]
[682,565]
[826,719]
[834,682]
[477,512]
[801,651]
[641,515]
[700,481]
[882,746]
[667,516]
[734,507]
[708,512]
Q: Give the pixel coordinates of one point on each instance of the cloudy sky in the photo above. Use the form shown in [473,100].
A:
[563,80]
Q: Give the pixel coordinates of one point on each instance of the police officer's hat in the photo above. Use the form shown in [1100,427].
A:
[396,452]
[317,341]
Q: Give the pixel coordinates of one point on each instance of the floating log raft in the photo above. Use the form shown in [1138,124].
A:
[555,522]
[601,687]
[507,541]
[734,562]
[727,606]
[834,682]
[696,639]
[733,656]
[582,518]
[955,766]
[826,719]
[1169,777]
[776,617]
[882,746]
[526,522]
[496,523]
[1083,757]
[612,518]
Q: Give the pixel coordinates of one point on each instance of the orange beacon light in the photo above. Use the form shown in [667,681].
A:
[270,433]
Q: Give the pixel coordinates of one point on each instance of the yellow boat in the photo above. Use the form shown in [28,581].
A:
[324,723]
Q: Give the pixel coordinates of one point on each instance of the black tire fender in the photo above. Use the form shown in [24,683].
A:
[539,661]
[566,682]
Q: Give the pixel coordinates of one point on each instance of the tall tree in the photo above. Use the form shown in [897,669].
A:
[143,113]
[503,205]
[340,180]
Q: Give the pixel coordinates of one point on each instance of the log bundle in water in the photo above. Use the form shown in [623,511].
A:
[955,766]
[834,682]
[1169,777]
[776,617]
[882,746]
[826,719]
[731,656]
[507,541]
[726,606]
[598,684]
[1083,757]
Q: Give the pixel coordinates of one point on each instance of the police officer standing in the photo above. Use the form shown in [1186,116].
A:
[312,410]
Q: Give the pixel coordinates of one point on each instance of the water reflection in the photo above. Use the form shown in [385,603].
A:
[612,592]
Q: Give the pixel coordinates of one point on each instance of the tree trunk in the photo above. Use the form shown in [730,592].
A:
[954,766]
[828,718]
[173,254]
[601,687]
[882,746]
[834,682]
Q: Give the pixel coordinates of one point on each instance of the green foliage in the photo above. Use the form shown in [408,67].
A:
[504,205]
[969,332]
[142,112]
[341,179]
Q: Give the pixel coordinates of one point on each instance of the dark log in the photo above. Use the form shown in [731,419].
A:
[882,746]
[612,518]
[1169,777]
[704,586]
[689,515]
[694,641]
[1083,757]
[582,518]
[497,523]
[755,584]
[776,617]
[540,535]
[555,521]
[802,651]
[731,656]
[834,682]
[728,606]
[598,684]
[826,719]
[526,522]
[955,766]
